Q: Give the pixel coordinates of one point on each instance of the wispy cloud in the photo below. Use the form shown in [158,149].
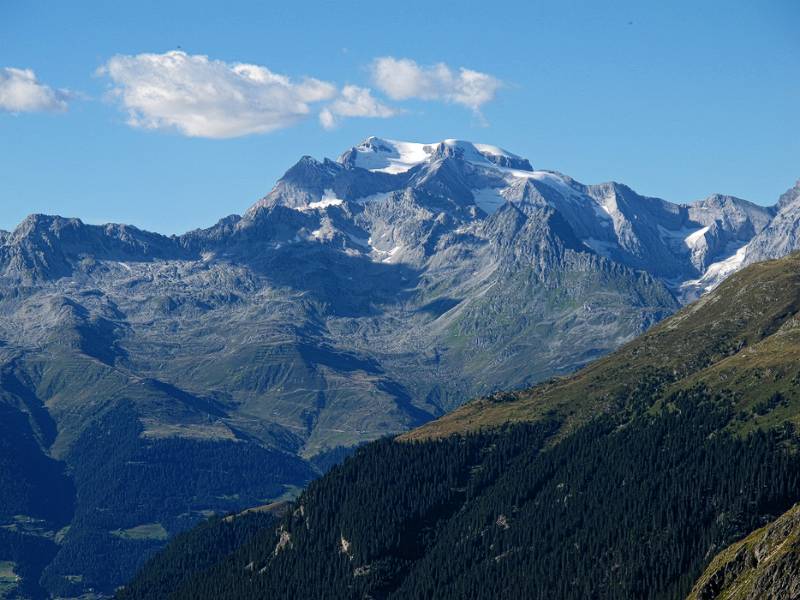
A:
[354,101]
[21,91]
[404,79]
[200,97]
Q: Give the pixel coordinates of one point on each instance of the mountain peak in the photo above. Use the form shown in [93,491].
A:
[395,157]
[387,156]
[41,223]
[790,196]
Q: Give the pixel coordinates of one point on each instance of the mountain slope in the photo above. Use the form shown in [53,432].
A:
[766,564]
[649,461]
[741,337]
[359,298]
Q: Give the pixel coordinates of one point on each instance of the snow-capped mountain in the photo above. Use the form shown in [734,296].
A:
[690,247]
[360,297]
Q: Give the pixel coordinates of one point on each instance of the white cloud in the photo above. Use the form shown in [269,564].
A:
[20,91]
[354,101]
[403,79]
[201,97]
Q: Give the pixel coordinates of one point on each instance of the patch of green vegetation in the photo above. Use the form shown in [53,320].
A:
[9,580]
[291,492]
[148,531]
[30,526]
[61,534]
[228,497]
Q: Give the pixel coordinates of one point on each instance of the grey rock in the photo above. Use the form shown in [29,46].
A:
[782,235]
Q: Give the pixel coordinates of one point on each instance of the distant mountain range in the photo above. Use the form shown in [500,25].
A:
[359,298]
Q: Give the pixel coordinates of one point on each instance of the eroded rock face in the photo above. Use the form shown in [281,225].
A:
[765,565]
[782,235]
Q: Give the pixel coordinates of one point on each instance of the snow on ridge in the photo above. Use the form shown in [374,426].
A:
[495,150]
[549,178]
[381,155]
[391,156]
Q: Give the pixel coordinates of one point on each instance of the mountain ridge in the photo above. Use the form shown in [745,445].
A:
[718,226]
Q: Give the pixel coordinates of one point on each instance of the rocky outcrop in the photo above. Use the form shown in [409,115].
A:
[763,566]
[782,235]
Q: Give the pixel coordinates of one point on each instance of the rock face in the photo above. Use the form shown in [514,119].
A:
[359,298]
[782,235]
[763,566]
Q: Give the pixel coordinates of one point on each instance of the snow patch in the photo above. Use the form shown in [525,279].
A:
[328,199]
[683,238]
[391,156]
[373,198]
[489,199]
[549,178]
[344,547]
[715,274]
[494,151]
[391,254]
[692,239]
[386,255]
[601,247]
[364,243]
[720,270]
[325,203]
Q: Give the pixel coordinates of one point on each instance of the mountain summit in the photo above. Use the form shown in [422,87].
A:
[390,156]
[691,247]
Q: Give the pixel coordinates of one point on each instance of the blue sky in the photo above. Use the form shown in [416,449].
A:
[676,99]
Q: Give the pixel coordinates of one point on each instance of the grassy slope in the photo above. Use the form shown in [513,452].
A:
[742,338]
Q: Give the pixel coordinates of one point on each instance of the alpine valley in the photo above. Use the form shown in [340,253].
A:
[149,382]
[622,481]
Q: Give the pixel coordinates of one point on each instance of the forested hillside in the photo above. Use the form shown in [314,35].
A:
[619,482]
